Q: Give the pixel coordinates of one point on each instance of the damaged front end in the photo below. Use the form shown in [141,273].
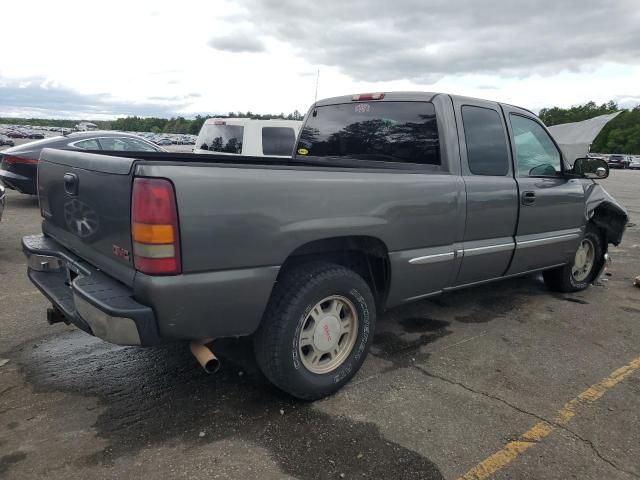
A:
[605,212]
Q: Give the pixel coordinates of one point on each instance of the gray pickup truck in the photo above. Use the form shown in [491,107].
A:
[387,198]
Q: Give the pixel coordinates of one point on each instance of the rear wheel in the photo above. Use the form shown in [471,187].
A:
[587,262]
[316,331]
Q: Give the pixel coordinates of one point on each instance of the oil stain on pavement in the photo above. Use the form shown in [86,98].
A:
[7,460]
[156,395]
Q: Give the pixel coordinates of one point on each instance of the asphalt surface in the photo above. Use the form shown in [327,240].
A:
[449,382]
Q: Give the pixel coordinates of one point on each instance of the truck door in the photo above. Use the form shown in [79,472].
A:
[491,191]
[551,219]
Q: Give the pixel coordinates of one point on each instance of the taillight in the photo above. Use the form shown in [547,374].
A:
[367,96]
[154,227]
[16,160]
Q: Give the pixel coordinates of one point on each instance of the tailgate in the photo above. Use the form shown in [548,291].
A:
[85,201]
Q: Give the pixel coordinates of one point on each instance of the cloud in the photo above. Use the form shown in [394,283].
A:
[238,43]
[378,40]
[38,97]
[627,101]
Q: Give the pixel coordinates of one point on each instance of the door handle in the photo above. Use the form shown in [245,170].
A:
[528,197]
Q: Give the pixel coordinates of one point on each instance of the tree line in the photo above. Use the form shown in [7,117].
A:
[621,135]
[151,124]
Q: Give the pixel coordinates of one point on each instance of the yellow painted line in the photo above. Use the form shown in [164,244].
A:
[541,430]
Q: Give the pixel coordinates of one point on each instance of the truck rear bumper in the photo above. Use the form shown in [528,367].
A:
[91,300]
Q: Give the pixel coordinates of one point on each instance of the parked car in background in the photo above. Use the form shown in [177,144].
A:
[163,141]
[35,135]
[389,198]
[6,141]
[618,161]
[244,136]
[16,134]
[635,163]
[19,165]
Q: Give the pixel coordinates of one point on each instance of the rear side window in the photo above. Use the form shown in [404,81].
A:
[91,144]
[135,145]
[221,138]
[125,144]
[278,140]
[402,132]
[487,152]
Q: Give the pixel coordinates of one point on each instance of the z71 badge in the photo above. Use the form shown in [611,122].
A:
[120,252]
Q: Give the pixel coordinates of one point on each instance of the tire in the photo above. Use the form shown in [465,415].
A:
[565,279]
[286,355]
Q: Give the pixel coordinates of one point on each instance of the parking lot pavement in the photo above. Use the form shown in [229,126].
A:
[505,380]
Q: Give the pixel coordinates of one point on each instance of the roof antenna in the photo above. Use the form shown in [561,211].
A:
[315,99]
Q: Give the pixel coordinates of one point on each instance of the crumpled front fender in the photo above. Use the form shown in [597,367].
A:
[605,212]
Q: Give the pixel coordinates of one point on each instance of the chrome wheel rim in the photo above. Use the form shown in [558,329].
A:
[328,334]
[584,260]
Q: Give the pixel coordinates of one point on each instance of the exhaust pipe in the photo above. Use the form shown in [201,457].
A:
[205,357]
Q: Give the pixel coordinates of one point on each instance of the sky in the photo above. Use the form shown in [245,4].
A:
[101,60]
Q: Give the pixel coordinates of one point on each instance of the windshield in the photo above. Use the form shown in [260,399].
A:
[386,131]
[221,138]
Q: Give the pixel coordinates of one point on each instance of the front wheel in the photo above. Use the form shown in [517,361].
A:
[317,329]
[587,262]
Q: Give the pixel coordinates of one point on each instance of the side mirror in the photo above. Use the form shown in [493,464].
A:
[591,168]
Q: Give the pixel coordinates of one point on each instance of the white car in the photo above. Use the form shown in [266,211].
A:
[244,136]
[635,163]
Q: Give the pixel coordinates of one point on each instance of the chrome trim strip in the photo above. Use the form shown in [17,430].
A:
[548,240]
[438,257]
[502,247]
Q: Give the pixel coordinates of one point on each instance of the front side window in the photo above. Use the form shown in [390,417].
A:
[402,132]
[536,154]
[487,152]
[91,144]
[221,138]
[278,141]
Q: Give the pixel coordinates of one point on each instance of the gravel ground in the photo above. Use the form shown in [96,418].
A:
[449,382]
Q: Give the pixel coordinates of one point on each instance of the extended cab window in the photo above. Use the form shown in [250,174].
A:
[487,152]
[278,140]
[404,132]
[221,138]
[536,154]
